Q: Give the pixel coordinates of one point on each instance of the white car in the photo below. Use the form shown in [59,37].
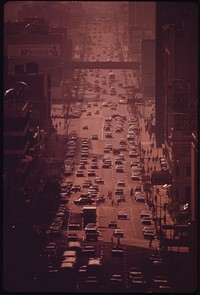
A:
[119,233]
[140,196]
[121,182]
[122,215]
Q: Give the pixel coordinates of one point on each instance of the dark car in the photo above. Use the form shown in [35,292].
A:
[83,201]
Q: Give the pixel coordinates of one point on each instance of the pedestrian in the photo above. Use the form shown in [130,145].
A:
[150,151]
[153,159]
[112,202]
[147,149]
[153,138]
[59,123]
[155,168]
[150,242]
[151,168]
[56,125]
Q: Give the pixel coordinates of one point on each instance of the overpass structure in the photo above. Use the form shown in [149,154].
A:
[133,65]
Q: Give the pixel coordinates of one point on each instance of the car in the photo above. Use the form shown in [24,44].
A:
[92,282]
[88,250]
[136,176]
[79,173]
[67,266]
[76,188]
[94,137]
[100,199]
[138,188]
[72,236]
[94,159]
[133,154]
[84,154]
[118,161]
[121,156]
[91,173]
[99,180]
[85,127]
[119,168]
[146,228]
[90,225]
[74,226]
[112,224]
[118,233]
[68,253]
[105,165]
[81,166]
[94,165]
[149,235]
[89,113]
[118,129]
[116,280]
[135,272]
[106,150]
[121,182]
[97,112]
[82,270]
[144,214]
[122,215]
[136,170]
[138,282]
[92,234]
[121,198]
[146,221]
[87,183]
[161,280]
[119,191]
[108,134]
[84,201]
[92,192]
[140,196]
[117,250]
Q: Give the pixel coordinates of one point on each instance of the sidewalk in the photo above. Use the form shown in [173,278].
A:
[150,165]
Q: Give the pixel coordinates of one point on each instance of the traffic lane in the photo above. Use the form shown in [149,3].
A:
[113,265]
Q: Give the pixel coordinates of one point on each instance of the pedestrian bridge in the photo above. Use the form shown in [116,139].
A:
[133,65]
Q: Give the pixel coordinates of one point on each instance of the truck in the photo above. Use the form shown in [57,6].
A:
[89,214]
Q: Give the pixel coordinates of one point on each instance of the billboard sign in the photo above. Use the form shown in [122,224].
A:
[34,50]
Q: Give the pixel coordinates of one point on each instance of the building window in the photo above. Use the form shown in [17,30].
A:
[188,171]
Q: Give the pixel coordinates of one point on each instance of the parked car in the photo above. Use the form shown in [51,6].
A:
[146,221]
[140,196]
[84,201]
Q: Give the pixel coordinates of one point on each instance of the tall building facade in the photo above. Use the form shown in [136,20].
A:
[176,90]
[141,25]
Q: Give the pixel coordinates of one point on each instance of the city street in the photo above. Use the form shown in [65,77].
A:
[97,195]
[94,110]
